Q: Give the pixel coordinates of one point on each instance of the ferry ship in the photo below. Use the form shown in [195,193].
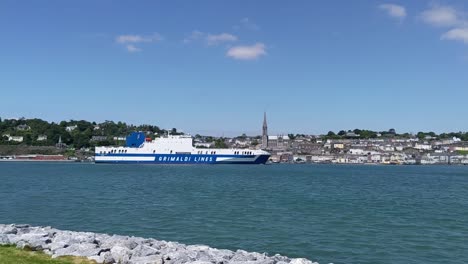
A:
[171,149]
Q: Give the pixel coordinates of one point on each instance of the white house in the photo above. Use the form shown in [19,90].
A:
[203,144]
[422,146]
[71,128]
[338,145]
[376,158]
[15,138]
[41,138]
[387,148]
[399,148]
[357,151]
[23,127]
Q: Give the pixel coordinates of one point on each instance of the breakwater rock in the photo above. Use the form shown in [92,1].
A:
[105,248]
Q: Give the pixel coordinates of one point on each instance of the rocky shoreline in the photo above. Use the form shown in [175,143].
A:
[105,248]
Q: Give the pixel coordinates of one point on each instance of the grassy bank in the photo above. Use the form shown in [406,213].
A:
[13,255]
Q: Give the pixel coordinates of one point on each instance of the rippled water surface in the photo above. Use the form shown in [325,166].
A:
[339,214]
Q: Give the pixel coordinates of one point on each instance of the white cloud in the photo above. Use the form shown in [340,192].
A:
[393,10]
[130,40]
[447,16]
[217,39]
[441,16]
[460,34]
[195,35]
[138,38]
[247,23]
[247,52]
[132,48]
[210,39]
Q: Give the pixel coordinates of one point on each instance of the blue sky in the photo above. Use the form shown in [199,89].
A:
[214,67]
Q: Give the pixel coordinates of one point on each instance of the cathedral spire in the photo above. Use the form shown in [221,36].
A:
[265,132]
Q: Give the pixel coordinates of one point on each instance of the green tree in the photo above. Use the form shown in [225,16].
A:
[464,136]
[27,139]
[366,134]
[104,143]
[421,135]
[220,143]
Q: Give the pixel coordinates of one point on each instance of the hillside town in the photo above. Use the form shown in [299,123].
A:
[75,140]
[382,150]
[348,147]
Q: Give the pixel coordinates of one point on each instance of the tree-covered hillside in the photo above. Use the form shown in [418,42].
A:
[73,133]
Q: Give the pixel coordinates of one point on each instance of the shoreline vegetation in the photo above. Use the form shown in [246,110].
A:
[10,254]
[79,247]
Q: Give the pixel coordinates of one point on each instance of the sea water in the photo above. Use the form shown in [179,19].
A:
[326,213]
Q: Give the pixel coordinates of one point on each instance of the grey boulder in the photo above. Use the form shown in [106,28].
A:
[70,237]
[120,254]
[112,241]
[153,259]
[83,250]
[4,239]
[8,229]
[143,250]
[301,261]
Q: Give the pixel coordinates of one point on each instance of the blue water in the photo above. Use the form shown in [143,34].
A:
[339,214]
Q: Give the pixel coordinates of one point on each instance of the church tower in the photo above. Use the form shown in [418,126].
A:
[265,132]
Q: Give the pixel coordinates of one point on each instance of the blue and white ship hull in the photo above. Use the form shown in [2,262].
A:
[175,150]
[181,159]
